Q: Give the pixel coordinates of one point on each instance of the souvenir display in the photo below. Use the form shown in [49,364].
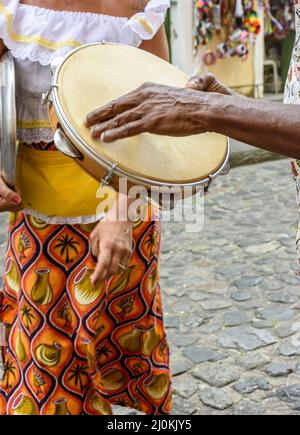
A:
[238,22]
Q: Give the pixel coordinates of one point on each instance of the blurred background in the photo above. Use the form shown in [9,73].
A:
[210,36]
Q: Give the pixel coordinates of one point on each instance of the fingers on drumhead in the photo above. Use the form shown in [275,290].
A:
[118,121]
[115,107]
[127,130]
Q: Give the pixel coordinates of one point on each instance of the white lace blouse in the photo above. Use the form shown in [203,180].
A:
[35,36]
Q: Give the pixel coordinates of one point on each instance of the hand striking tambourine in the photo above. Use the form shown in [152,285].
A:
[8,125]
[95,74]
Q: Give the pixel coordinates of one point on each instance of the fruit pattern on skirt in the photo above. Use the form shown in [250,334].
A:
[73,348]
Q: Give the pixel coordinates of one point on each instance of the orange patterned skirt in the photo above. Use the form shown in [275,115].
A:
[73,348]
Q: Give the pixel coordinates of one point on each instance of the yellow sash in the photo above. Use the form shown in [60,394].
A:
[55,185]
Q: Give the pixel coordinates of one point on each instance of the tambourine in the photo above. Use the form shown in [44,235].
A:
[8,124]
[93,75]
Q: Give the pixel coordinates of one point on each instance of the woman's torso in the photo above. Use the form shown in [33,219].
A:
[39,31]
[125,8]
[33,74]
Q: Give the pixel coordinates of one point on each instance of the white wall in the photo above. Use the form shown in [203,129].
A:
[259,54]
[182,34]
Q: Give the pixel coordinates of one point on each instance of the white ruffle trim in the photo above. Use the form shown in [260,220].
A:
[58,220]
[72,29]
[145,25]
[35,135]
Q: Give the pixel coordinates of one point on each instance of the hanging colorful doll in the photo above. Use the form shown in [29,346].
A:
[238,21]
[277,25]
[251,21]
[203,24]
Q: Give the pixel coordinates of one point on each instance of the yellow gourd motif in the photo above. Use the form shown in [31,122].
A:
[85,292]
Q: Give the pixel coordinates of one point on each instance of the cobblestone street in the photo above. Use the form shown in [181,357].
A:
[232,298]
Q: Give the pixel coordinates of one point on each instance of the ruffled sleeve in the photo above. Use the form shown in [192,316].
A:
[32,33]
[8,11]
[40,34]
[145,25]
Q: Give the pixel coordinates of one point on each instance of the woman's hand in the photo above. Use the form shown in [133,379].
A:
[111,243]
[9,200]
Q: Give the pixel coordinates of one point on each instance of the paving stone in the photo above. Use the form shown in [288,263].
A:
[193,322]
[252,361]
[267,259]
[279,369]
[232,270]
[245,338]
[212,327]
[184,339]
[172,321]
[247,281]
[284,331]
[252,384]
[283,298]
[270,284]
[247,407]
[182,306]
[216,376]
[215,304]
[184,407]
[264,248]
[291,396]
[215,398]
[236,318]
[274,406]
[297,369]
[241,296]
[179,366]
[185,385]
[177,292]
[253,304]
[263,324]
[287,349]
[290,280]
[275,313]
[196,296]
[201,355]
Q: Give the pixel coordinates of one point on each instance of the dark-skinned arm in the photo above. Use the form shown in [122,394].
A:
[271,126]
[206,105]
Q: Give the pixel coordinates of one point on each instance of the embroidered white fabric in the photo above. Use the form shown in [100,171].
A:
[34,32]
[35,135]
[36,36]
[56,220]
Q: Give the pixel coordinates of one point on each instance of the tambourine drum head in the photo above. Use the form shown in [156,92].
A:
[97,74]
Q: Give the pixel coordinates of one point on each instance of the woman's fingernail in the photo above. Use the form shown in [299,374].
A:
[16,200]
[102,137]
